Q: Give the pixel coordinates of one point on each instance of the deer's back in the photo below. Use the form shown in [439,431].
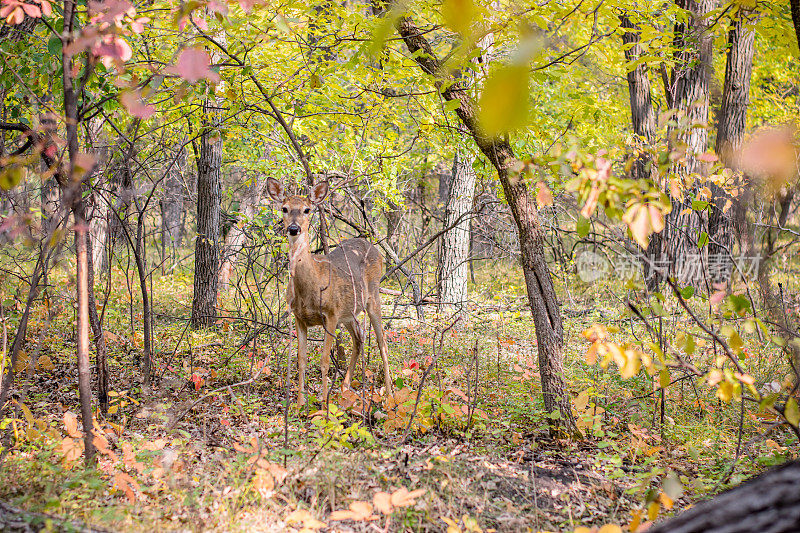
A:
[347,278]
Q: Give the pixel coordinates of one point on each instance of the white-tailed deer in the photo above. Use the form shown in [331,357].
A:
[329,290]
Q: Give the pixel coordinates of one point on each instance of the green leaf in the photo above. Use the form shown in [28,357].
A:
[582,227]
[687,292]
[703,240]
[699,205]
[503,106]
[54,46]
[452,105]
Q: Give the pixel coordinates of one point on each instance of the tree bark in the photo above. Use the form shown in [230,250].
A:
[795,7]
[74,201]
[237,237]
[172,206]
[642,114]
[643,121]
[101,351]
[452,271]
[689,92]
[730,134]
[209,196]
[769,503]
[539,284]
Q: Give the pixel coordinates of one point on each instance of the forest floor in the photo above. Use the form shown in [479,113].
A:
[215,445]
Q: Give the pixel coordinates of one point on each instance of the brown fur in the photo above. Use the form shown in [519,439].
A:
[329,290]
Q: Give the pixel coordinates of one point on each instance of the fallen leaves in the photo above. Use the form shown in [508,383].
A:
[383,502]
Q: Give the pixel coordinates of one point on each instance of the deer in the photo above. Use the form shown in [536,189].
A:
[329,290]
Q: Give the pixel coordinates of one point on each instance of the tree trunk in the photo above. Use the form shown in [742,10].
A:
[394,216]
[769,503]
[642,114]
[644,128]
[795,7]
[730,134]
[234,241]
[101,351]
[539,284]
[209,196]
[74,201]
[172,206]
[452,272]
[690,96]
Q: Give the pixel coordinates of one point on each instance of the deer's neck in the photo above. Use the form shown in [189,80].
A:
[303,268]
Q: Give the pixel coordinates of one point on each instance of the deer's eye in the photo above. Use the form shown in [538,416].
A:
[307,210]
[285,209]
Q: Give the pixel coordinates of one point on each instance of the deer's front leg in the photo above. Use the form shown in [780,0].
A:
[302,360]
[330,329]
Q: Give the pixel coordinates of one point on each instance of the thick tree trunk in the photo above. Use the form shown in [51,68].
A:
[769,503]
[690,96]
[172,206]
[539,284]
[730,134]
[643,120]
[453,269]
[209,187]
[795,7]
[642,114]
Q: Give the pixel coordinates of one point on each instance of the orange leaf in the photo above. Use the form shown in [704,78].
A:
[403,498]
[382,502]
[71,423]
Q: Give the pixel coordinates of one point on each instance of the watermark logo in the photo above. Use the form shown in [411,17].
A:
[592,266]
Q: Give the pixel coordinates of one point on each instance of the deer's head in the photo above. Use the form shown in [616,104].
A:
[296,209]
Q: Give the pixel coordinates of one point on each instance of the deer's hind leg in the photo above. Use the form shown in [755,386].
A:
[374,312]
[329,325]
[358,346]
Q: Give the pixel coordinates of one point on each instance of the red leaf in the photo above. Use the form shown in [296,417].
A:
[193,66]
[133,102]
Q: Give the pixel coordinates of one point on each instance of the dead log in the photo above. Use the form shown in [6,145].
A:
[769,503]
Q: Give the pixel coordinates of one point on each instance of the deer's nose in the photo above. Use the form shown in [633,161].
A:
[293,229]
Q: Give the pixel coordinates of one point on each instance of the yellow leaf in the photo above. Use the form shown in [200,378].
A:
[11,176]
[666,501]
[503,105]
[652,511]
[725,391]
[610,528]
[458,15]
[636,521]
[46,363]
[792,412]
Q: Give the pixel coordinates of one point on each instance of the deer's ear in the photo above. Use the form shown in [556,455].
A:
[319,192]
[275,190]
